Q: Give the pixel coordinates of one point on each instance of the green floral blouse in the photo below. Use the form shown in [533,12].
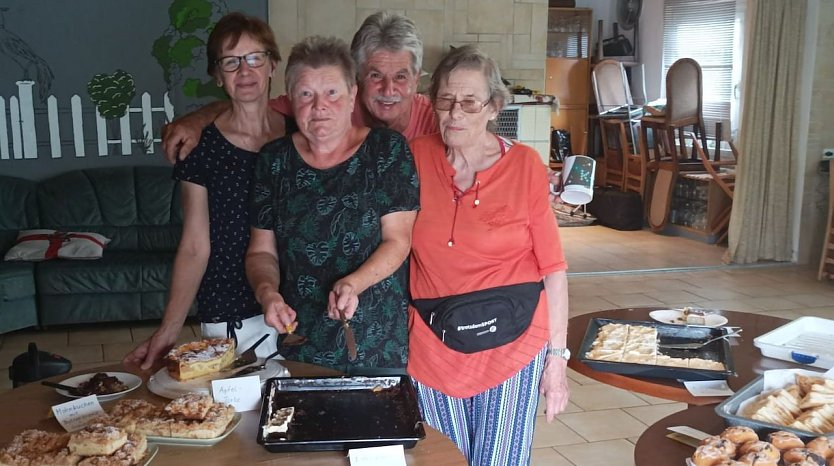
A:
[326,224]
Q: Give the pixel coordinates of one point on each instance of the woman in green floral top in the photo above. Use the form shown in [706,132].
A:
[332,208]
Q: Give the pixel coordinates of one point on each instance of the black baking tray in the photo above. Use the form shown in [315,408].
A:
[341,413]
[666,333]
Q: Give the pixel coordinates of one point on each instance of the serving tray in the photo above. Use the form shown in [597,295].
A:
[666,333]
[340,413]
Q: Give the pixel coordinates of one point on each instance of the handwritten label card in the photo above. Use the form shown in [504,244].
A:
[244,393]
[74,415]
[391,455]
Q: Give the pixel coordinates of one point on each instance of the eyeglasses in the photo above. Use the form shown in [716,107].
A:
[232,63]
[468,106]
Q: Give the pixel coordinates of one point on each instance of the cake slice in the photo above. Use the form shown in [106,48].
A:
[191,406]
[97,439]
[129,454]
[279,421]
[199,358]
[694,316]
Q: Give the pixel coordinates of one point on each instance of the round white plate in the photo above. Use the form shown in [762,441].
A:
[166,386]
[675,316]
[133,382]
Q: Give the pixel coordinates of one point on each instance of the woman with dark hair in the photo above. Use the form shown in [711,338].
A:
[215,180]
[332,211]
[488,324]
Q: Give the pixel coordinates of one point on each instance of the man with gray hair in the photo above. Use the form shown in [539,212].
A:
[388,53]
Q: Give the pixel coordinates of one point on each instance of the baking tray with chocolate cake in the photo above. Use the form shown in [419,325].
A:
[636,348]
[339,413]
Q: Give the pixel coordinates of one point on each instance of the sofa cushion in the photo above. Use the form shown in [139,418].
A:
[18,203]
[116,272]
[17,280]
[137,207]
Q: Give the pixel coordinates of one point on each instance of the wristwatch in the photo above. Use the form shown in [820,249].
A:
[563,353]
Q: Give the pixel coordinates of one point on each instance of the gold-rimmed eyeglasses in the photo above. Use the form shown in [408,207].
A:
[231,63]
[467,105]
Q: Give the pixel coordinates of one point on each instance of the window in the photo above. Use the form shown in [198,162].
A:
[709,32]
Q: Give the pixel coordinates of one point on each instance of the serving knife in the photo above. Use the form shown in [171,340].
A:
[350,338]
[74,391]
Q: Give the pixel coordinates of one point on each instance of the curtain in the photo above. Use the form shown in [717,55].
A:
[760,224]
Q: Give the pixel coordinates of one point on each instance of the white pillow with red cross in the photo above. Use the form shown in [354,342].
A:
[40,245]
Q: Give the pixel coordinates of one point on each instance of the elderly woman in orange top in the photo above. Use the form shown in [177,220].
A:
[488,320]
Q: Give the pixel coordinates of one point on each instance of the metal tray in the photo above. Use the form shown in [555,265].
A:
[340,413]
[666,333]
[729,407]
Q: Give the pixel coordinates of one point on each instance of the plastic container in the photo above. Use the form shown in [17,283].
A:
[806,340]
[728,409]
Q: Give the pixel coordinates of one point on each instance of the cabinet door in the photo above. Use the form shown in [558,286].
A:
[568,79]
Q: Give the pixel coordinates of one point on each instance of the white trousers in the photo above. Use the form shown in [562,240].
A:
[253,329]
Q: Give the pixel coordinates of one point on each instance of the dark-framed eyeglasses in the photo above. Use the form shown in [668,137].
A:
[231,63]
[467,105]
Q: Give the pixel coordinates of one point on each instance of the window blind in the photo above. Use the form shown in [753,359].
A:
[703,30]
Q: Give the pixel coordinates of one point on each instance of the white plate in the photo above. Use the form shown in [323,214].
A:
[166,386]
[133,382]
[197,442]
[675,316]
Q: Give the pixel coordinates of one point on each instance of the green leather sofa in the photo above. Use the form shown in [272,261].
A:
[138,208]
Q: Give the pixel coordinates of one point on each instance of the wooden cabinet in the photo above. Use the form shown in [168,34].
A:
[568,67]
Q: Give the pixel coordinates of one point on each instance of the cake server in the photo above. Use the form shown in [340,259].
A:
[697,344]
[350,338]
[247,357]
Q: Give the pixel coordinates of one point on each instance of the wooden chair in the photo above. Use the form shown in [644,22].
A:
[616,114]
[684,107]
[625,168]
[726,180]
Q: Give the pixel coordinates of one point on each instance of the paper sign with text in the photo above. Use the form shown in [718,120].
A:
[390,455]
[74,415]
[244,393]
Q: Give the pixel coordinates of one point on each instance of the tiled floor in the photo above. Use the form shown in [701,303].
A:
[602,423]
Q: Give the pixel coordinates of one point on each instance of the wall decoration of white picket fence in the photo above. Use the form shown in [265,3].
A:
[25,139]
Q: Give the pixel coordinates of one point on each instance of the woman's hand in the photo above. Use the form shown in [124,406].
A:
[149,354]
[343,297]
[555,179]
[554,386]
[277,313]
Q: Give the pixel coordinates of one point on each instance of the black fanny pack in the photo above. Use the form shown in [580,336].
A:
[482,319]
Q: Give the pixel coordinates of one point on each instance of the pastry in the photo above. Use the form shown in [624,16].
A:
[708,455]
[758,459]
[200,358]
[823,446]
[785,440]
[727,447]
[129,454]
[97,439]
[795,455]
[214,423]
[730,463]
[126,413]
[192,406]
[758,446]
[739,434]
[805,463]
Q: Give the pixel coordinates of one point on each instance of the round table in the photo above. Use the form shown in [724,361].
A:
[747,359]
[654,448]
[29,407]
